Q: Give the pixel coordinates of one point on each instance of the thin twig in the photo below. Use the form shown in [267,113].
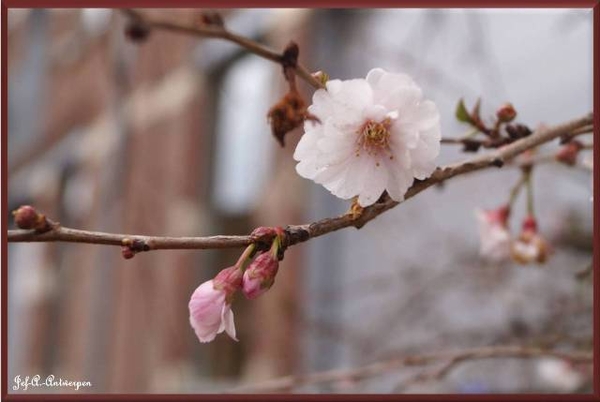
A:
[588,129]
[585,272]
[580,131]
[450,359]
[301,233]
[218,32]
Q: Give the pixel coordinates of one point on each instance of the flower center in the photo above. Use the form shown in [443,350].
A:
[374,138]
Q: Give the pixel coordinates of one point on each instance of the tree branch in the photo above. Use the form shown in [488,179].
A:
[450,359]
[219,32]
[588,129]
[301,233]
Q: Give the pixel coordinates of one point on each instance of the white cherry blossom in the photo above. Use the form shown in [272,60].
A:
[375,134]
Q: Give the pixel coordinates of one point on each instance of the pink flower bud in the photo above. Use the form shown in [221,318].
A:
[530,224]
[493,234]
[127,252]
[260,275]
[210,305]
[26,217]
[568,153]
[530,246]
[506,113]
[229,280]
[263,233]
[210,314]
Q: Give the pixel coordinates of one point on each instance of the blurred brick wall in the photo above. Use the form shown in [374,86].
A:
[133,127]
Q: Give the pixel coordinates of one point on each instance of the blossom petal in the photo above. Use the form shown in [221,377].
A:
[426,115]
[308,169]
[306,146]
[352,97]
[205,308]
[399,180]
[377,179]
[227,321]
[374,76]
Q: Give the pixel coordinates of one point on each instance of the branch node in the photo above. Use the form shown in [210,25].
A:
[498,162]
[295,234]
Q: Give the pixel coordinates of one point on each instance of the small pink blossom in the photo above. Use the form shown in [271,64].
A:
[260,275]
[494,235]
[530,246]
[210,305]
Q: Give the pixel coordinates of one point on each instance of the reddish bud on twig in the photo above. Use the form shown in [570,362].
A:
[263,234]
[260,274]
[132,247]
[517,131]
[530,246]
[127,253]
[26,217]
[568,153]
[229,280]
[530,224]
[506,113]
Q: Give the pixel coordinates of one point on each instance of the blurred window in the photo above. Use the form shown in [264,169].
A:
[243,140]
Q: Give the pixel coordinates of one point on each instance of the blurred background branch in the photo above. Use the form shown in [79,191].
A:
[448,361]
[214,28]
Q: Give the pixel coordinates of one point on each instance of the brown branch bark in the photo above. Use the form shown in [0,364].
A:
[218,32]
[450,359]
[301,233]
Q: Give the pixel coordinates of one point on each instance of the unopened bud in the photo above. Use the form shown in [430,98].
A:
[530,224]
[517,131]
[530,247]
[568,153]
[260,275]
[263,233]
[506,113]
[127,252]
[26,217]
[229,280]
